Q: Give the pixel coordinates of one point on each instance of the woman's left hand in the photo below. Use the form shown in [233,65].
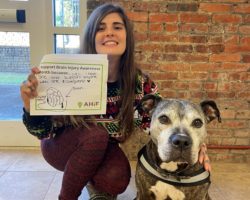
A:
[203,157]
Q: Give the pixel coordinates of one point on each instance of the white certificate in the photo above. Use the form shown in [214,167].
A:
[71,85]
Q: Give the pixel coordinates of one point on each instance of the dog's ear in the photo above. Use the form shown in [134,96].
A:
[210,110]
[148,103]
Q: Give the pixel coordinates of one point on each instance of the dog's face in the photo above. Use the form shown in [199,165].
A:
[178,127]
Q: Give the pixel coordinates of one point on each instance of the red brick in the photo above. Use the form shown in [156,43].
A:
[147,66]
[201,48]
[242,141]
[205,67]
[233,124]
[242,133]
[164,75]
[147,6]
[150,47]
[247,18]
[140,27]
[245,40]
[138,16]
[223,57]
[193,76]
[226,18]
[155,27]
[242,8]
[235,67]
[183,94]
[178,48]
[163,37]
[180,85]
[218,76]
[239,85]
[194,28]
[169,93]
[243,114]
[211,7]
[193,39]
[245,29]
[167,84]
[231,28]
[191,7]
[237,48]
[228,114]
[216,48]
[194,58]
[215,39]
[244,95]
[193,18]
[232,40]
[170,57]
[171,27]
[155,57]
[234,104]
[246,58]
[216,29]
[175,67]
[195,85]
[228,141]
[224,86]
[210,86]
[197,94]
[220,132]
[163,17]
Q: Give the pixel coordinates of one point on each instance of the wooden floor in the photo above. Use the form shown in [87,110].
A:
[24,175]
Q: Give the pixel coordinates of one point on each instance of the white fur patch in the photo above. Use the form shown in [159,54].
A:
[163,190]
[170,166]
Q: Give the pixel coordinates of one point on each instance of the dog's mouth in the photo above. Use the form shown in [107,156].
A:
[180,167]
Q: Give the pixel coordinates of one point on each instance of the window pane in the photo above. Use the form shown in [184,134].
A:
[14,67]
[66,13]
[67,43]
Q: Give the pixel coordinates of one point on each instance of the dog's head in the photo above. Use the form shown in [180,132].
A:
[178,127]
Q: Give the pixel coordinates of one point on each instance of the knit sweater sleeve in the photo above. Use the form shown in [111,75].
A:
[39,126]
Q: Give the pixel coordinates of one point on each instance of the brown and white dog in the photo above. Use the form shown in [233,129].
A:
[168,167]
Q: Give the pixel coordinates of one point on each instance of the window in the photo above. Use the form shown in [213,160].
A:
[66,16]
[67,43]
[14,66]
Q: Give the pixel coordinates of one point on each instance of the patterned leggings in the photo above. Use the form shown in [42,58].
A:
[86,156]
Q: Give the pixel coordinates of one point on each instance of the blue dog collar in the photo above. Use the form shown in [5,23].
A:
[198,178]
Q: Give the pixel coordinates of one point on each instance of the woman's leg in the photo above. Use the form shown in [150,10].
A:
[77,152]
[113,175]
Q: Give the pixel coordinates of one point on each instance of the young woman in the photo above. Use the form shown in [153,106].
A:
[91,155]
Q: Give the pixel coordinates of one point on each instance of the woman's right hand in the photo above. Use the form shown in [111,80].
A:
[28,88]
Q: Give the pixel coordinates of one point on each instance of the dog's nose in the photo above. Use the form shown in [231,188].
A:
[180,141]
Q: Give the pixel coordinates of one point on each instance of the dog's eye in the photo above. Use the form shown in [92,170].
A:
[164,119]
[197,123]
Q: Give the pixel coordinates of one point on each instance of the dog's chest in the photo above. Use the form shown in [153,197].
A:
[164,191]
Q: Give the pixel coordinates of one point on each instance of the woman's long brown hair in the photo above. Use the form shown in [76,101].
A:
[127,69]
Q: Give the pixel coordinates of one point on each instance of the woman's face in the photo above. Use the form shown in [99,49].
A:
[111,36]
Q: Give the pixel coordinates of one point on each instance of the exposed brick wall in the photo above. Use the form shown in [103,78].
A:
[199,50]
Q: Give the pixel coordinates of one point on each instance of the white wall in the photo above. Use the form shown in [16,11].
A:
[40,26]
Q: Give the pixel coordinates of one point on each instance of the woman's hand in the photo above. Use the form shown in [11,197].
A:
[203,157]
[28,88]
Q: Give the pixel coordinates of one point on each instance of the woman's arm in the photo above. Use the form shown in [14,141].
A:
[39,126]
